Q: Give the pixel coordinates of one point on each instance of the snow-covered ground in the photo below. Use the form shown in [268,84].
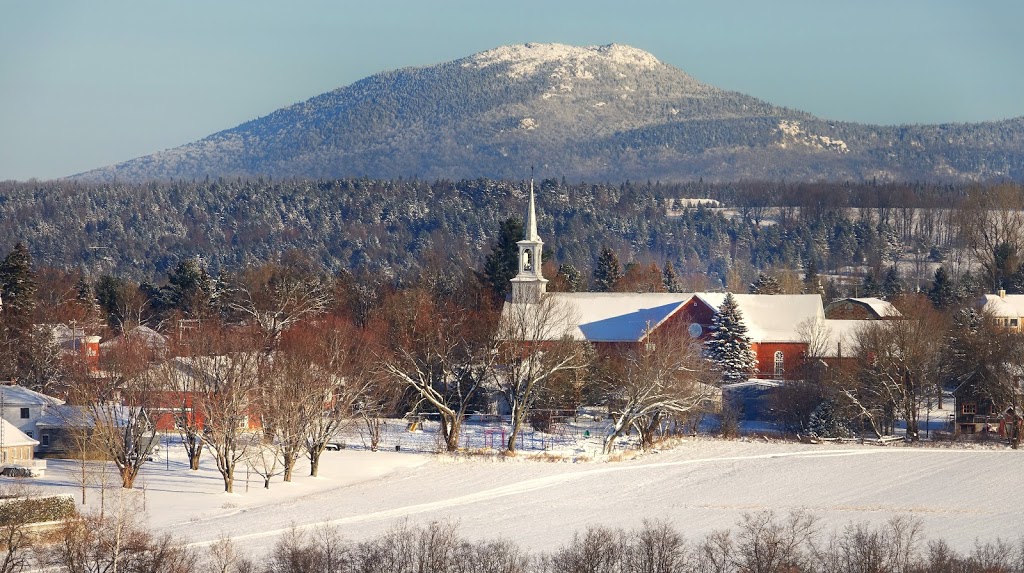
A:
[699,485]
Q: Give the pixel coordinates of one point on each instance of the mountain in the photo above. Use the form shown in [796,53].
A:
[594,113]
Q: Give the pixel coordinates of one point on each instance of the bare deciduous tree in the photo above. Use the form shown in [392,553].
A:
[898,363]
[441,351]
[229,364]
[535,344]
[341,357]
[118,406]
[662,376]
[277,296]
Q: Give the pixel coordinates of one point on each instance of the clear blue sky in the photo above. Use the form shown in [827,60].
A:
[86,84]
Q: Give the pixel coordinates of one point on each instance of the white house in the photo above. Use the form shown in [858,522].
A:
[1006,309]
[17,452]
[23,407]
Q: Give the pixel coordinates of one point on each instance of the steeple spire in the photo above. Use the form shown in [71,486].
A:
[529,285]
[531,219]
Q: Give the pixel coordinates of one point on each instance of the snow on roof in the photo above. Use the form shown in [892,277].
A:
[15,395]
[773,318]
[12,436]
[838,338]
[881,308]
[1005,306]
[617,317]
[141,333]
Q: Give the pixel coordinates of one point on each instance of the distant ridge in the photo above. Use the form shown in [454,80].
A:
[594,113]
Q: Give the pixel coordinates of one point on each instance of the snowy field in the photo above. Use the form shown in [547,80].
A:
[699,485]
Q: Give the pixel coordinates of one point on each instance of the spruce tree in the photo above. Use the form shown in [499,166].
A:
[892,286]
[502,264]
[18,294]
[608,272]
[825,422]
[1015,284]
[870,286]
[572,275]
[728,346]
[765,284]
[670,278]
[190,289]
[942,294]
[18,288]
[812,282]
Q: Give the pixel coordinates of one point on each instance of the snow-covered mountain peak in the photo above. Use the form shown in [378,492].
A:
[526,59]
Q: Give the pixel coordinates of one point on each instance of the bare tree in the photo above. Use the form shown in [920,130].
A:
[288,400]
[983,361]
[898,363]
[766,544]
[230,364]
[181,381]
[264,456]
[441,351]
[118,408]
[275,297]
[117,542]
[991,221]
[535,345]
[663,375]
[339,370]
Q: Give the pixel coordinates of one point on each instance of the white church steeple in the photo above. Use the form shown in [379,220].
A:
[529,285]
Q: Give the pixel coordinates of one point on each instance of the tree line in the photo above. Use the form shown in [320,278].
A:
[393,228]
[764,542]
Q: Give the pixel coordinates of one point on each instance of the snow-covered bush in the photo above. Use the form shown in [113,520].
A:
[825,422]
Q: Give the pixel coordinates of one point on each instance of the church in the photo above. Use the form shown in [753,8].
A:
[779,326]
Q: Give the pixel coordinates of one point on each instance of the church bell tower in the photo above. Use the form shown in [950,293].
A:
[529,285]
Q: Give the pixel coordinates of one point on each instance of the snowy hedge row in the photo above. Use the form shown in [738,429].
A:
[19,510]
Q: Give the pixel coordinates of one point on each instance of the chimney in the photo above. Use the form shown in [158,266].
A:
[1002,293]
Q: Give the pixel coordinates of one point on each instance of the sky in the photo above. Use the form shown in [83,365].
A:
[88,84]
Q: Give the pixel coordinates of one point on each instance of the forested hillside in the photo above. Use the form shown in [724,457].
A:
[395,228]
[597,113]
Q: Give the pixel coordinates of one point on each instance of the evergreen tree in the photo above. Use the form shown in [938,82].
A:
[1015,284]
[942,294]
[870,286]
[190,289]
[892,286]
[812,282]
[728,346]
[573,277]
[670,278]
[502,264]
[608,271]
[825,422]
[18,339]
[18,290]
[765,284]
[969,286]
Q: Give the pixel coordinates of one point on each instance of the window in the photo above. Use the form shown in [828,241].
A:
[527,260]
[779,363]
[970,408]
[1013,322]
[44,440]
[24,414]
